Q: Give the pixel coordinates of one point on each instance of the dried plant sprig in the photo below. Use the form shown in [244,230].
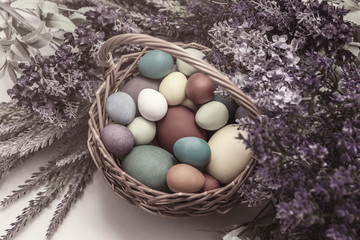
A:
[75,189]
[9,163]
[42,176]
[33,139]
[42,200]
[68,153]
[14,120]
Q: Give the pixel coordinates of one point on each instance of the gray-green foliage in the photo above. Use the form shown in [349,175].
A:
[23,40]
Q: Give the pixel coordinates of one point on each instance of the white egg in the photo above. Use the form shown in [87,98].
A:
[152,104]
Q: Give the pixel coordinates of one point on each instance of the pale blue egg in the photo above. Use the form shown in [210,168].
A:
[155,64]
[192,150]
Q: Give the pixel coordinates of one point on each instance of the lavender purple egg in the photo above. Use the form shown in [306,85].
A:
[117,139]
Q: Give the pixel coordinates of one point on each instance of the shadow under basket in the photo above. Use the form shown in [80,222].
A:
[219,200]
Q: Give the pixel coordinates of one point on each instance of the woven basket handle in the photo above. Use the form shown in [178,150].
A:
[105,60]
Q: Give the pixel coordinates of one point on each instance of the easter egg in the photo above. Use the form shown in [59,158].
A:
[152,104]
[149,165]
[173,88]
[186,68]
[185,178]
[155,64]
[117,139]
[178,122]
[134,86]
[190,104]
[143,130]
[192,150]
[200,88]
[120,107]
[210,183]
[212,115]
[229,155]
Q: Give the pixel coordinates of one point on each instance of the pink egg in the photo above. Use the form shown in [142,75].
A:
[210,183]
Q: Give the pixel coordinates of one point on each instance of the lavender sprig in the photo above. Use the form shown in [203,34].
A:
[75,189]
[42,200]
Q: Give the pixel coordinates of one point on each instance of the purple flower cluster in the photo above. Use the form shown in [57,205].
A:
[292,62]
[57,86]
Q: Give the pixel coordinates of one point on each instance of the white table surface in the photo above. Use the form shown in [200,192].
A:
[100,214]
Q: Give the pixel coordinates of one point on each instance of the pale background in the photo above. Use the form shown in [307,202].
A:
[99,214]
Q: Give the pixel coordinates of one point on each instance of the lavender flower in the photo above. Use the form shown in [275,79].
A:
[59,86]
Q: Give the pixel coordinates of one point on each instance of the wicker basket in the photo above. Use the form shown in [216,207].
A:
[126,187]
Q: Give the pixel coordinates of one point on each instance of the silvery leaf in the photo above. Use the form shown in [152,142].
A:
[36,39]
[11,73]
[40,40]
[59,21]
[354,50]
[59,35]
[3,61]
[32,34]
[6,44]
[77,17]
[353,16]
[350,4]
[22,50]
[31,4]
[48,7]
[85,9]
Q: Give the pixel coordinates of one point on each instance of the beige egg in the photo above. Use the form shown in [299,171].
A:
[229,155]
[173,88]
[188,103]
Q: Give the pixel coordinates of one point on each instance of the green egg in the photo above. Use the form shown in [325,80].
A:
[212,116]
[149,165]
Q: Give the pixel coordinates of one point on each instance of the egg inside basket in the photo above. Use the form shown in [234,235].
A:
[160,137]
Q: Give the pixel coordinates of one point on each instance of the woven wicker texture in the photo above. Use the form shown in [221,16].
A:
[115,75]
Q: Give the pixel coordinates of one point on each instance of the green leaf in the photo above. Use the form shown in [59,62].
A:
[59,21]
[31,4]
[48,7]
[353,16]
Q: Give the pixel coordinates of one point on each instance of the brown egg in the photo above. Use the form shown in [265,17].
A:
[210,183]
[199,88]
[184,178]
[178,122]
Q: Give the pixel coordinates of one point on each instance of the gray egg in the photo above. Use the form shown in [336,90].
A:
[120,107]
